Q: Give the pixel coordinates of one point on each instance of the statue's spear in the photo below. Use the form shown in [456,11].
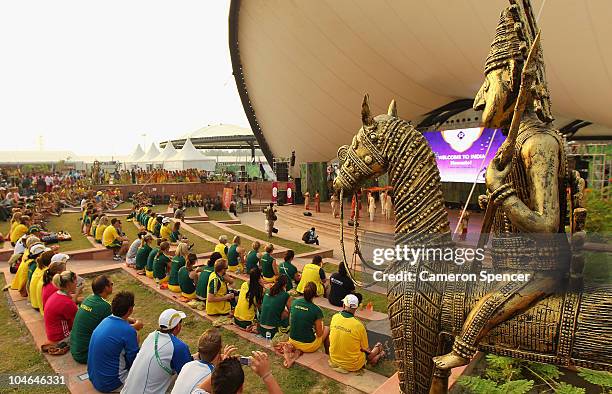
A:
[504,155]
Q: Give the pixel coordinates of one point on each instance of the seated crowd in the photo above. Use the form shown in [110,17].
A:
[275,302]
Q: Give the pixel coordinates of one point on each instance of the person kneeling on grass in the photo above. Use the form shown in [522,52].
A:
[249,301]
[142,254]
[178,261]
[112,240]
[210,354]
[161,356]
[220,300]
[209,268]
[269,267]
[188,277]
[113,346]
[349,348]
[151,258]
[130,257]
[161,264]
[275,309]
[307,331]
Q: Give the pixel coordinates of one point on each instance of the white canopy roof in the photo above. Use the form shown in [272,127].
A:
[150,155]
[307,64]
[167,154]
[138,153]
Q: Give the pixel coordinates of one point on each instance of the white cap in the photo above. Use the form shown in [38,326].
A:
[166,220]
[170,318]
[351,301]
[60,257]
[38,249]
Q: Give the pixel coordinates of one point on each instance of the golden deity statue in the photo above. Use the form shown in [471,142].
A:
[551,317]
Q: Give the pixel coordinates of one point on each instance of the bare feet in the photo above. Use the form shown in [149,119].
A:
[450,360]
[290,354]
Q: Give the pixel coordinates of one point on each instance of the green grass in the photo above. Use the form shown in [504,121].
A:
[192,211]
[200,245]
[149,305]
[218,215]
[69,222]
[295,246]
[19,353]
[124,205]
[598,267]
[128,228]
[213,230]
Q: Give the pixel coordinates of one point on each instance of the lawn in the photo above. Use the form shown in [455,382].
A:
[69,222]
[200,245]
[19,354]
[125,205]
[192,211]
[296,246]
[149,305]
[218,215]
[128,228]
[213,231]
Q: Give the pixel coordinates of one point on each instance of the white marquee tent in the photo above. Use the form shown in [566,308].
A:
[136,155]
[148,157]
[167,154]
[190,157]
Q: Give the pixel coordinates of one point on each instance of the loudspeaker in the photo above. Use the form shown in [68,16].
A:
[282,171]
[297,193]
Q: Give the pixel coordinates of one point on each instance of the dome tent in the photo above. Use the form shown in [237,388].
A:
[166,154]
[190,157]
[148,157]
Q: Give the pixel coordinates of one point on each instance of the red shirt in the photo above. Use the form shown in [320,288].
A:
[47,291]
[59,315]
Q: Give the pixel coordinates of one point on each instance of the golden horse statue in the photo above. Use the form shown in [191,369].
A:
[569,329]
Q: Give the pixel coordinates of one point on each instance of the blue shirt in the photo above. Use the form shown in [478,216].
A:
[112,349]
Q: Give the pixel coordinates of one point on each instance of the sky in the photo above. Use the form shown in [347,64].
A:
[93,76]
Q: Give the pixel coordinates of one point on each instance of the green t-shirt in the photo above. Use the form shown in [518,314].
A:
[252,261]
[31,268]
[142,255]
[157,229]
[267,268]
[186,283]
[232,255]
[174,237]
[303,317]
[151,257]
[177,263]
[201,287]
[272,308]
[160,264]
[289,270]
[92,311]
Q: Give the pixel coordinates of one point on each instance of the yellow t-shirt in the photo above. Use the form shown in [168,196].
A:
[110,234]
[165,232]
[151,224]
[221,249]
[18,232]
[311,273]
[242,310]
[21,277]
[35,290]
[347,337]
[100,231]
[219,307]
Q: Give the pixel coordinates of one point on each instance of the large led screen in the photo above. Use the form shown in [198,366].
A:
[460,152]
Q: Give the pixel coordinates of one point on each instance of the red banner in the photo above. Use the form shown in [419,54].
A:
[274,192]
[290,188]
[227,197]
